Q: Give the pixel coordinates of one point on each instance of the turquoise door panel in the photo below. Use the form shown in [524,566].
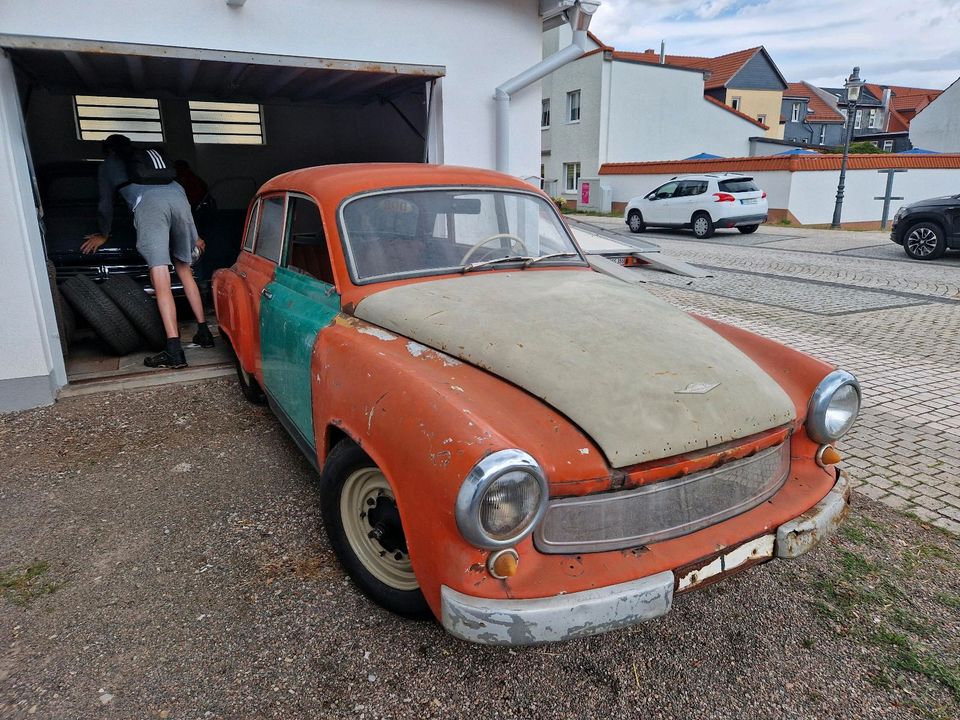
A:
[293,310]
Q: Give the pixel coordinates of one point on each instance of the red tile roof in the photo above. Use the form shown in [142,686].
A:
[735,112]
[792,163]
[721,68]
[823,112]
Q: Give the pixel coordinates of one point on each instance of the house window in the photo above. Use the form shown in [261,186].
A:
[872,122]
[573,106]
[762,119]
[571,175]
[735,103]
[99,117]
[795,114]
[823,134]
[545,113]
[226,123]
[858,119]
[888,145]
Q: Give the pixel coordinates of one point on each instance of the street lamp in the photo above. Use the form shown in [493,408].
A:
[853,86]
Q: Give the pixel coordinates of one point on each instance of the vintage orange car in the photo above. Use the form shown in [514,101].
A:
[512,434]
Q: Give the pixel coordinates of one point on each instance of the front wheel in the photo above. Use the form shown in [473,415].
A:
[362,521]
[702,226]
[924,241]
[635,222]
[748,229]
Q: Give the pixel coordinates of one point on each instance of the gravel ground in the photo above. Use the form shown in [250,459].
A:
[161,556]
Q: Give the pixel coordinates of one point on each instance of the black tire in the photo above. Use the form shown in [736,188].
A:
[702,225]
[748,229]
[635,222]
[924,241]
[138,307]
[65,323]
[104,317]
[248,383]
[345,462]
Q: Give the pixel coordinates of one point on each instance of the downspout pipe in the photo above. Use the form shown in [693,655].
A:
[579,18]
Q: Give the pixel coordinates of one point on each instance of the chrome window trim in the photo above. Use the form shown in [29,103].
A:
[820,401]
[598,543]
[479,479]
[348,250]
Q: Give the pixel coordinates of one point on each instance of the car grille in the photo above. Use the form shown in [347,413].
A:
[662,510]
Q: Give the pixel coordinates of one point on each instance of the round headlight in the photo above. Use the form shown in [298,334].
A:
[834,407]
[501,499]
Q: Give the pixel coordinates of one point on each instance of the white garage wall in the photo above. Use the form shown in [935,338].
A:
[481,43]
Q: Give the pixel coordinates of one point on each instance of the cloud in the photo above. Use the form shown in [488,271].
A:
[819,40]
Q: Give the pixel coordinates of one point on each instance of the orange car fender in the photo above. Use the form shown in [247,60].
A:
[425,419]
[232,305]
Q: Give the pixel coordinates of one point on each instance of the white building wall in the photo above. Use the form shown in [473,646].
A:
[626,187]
[937,126]
[659,113]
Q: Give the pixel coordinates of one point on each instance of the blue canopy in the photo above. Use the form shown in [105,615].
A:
[918,151]
[704,156]
[799,151]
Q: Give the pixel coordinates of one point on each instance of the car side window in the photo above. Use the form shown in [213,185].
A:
[251,232]
[307,250]
[270,230]
[666,191]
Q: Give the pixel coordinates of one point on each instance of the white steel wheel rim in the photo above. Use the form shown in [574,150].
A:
[369,484]
[700,225]
[922,241]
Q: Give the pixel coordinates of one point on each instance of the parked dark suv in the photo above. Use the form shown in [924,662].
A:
[927,229]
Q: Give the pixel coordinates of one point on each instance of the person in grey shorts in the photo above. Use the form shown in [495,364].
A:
[166,235]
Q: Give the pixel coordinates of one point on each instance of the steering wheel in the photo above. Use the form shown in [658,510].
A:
[514,243]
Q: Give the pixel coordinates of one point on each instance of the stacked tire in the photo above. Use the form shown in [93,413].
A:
[120,313]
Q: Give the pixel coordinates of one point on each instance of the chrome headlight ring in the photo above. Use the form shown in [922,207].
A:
[821,426]
[480,480]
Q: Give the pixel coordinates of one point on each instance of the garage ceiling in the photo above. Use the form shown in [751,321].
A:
[236,77]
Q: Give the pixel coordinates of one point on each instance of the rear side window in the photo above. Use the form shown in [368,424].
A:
[251,228]
[738,185]
[270,232]
[691,187]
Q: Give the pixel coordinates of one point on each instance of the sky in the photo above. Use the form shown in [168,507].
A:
[894,42]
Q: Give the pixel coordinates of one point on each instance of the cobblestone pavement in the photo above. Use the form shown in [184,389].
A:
[853,299]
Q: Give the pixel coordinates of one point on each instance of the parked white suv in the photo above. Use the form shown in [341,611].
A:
[701,202]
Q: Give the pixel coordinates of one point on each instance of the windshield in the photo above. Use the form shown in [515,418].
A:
[429,232]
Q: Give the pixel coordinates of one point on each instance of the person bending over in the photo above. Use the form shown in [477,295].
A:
[166,235]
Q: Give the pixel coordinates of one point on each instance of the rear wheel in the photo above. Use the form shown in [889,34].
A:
[635,222]
[702,225]
[248,383]
[362,521]
[90,302]
[924,241]
[748,229]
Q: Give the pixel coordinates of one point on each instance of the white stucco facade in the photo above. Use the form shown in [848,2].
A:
[937,126]
[478,43]
[631,112]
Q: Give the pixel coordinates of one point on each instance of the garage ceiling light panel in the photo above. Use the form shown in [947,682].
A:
[226,123]
[101,116]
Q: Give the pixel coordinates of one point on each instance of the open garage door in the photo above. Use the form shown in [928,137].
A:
[235,119]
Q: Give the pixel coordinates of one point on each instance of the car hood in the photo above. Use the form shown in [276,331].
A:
[641,378]
[947,200]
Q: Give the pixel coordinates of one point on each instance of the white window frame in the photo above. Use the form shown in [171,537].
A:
[570,106]
[795,112]
[226,123]
[545,113]
[872,118]
[888,145]
[99,116]
[823,134]
[858,119]
[762,119]
[735,102]
[566,177]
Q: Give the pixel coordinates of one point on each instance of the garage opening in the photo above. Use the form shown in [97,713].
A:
[230,121]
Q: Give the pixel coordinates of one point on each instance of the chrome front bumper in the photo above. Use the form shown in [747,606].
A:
[564,617]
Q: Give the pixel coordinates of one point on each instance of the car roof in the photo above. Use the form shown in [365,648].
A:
[713,176]
[331,183]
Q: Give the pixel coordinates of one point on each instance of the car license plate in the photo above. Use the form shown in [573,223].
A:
[749,201]
[619,260]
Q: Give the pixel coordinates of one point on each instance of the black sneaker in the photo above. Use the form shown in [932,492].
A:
[203,338]
[166,359]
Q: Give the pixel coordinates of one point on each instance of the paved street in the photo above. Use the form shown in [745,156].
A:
[853,299]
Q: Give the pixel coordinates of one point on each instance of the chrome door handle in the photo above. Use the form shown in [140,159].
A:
[267,294]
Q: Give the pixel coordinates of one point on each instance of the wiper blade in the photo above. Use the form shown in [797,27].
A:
[494,261]
[534,261]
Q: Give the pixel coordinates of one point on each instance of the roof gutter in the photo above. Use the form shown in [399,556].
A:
[579,16]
